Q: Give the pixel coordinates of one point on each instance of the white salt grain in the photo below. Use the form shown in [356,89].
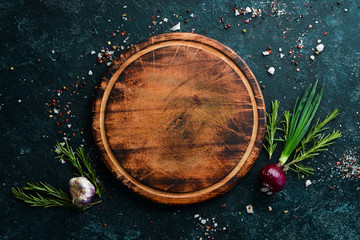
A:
[249,209]
[271,70]
[90,72]
[176,27]
[307,183]
[320,47]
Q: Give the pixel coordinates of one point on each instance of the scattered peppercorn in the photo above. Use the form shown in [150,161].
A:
[186,21]
[227,26]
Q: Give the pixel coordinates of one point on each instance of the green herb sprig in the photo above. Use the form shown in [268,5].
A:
[81,162]
[271,128]
[43,194]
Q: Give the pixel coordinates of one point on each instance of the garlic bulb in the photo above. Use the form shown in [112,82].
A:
[82,191]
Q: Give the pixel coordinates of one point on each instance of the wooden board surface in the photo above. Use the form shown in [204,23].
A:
[179,118]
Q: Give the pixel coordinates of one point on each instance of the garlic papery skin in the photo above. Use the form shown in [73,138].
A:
[82,191]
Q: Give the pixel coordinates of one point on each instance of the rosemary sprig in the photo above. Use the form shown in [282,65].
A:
[81,162]
[271,128]
[299,168]
[318,146]
[316,130]
[285,122]
[90,171]
[44,195]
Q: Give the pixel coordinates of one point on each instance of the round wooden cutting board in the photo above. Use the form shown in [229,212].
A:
[179,118]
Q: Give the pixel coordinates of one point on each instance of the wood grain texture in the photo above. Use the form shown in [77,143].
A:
[179,118]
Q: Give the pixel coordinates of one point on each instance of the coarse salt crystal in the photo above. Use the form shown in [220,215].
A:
[165,19]
[266,53]
[176,27]
[249,209]
[237,12]
[69,125]
[319,41]
[312,57]
[320,47]
[196,215]
[90,72]
[280,49]
[271,70]
[269,208]
[108,63]
[192,15]
[203,221]
[247,9]
[92,52]
[56,111]
[281,55]
[307,183]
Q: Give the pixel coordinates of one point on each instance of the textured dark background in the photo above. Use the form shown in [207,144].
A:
[30,30]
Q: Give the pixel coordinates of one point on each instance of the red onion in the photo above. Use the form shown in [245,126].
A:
[272,178]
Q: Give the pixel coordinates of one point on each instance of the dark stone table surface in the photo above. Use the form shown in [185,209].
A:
[47,45]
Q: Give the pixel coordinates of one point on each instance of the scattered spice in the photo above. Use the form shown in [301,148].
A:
[249,209]
[349,165]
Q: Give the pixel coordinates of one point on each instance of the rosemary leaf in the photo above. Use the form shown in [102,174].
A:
[319,145]
[90,171]
[81,162]
[48,190]
[66,152]
[44,196]
[316,130]
[271,128]
[285,122]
